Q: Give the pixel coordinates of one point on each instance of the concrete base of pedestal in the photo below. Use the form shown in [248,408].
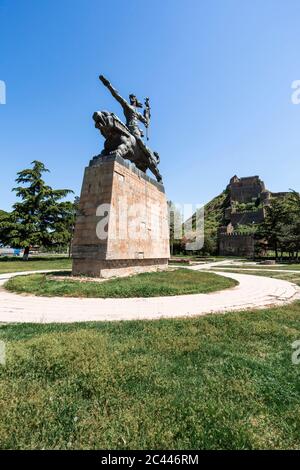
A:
[122,222]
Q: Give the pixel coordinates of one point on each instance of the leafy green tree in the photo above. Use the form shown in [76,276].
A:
[210,245]
[40,218]
[175,226]
[70,223]
[281,227]
[4,219]
[294,213]
[271,229]
[2,214]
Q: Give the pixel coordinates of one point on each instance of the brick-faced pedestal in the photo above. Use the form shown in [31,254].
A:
[122,222]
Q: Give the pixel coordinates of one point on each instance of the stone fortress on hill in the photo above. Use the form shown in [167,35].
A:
[247,201]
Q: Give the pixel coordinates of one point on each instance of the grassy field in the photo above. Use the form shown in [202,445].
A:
[262,266]
[176,282]
[11,265]
[215,382]
[208,259]
[285,276]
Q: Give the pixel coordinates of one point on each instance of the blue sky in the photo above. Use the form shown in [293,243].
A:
[218,73]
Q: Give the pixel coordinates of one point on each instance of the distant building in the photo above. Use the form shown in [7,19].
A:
[248,198]
[11,252]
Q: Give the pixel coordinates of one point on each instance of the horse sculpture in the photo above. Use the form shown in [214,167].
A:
[126,140]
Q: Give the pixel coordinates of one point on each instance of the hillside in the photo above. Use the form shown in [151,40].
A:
[214,213]
[3,214]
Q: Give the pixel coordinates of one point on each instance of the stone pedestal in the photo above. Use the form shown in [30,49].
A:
[122,222]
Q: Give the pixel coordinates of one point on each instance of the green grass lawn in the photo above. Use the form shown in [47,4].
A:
[263,266]
[11,265]
[208,259]
[214,382]
[285,276]
[173,282]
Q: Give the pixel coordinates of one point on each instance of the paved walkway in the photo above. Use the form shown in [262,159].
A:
[252,292]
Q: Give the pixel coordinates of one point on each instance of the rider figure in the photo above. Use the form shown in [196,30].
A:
[131,114]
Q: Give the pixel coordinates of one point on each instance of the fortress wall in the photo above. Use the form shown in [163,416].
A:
[236,244]
[247,218]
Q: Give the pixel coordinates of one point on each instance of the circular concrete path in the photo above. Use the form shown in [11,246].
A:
[251,293]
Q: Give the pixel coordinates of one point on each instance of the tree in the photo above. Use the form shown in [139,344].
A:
[281,227]
[4,219]
[2,214]
[294,211]
[70,222]
[175,228]
[271,229]
[40,218]
[210,245]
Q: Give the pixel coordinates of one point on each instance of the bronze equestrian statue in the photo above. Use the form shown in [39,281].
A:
[126,140]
